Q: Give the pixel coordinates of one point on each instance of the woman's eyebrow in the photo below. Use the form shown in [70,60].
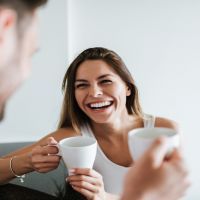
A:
[100,77]
[81,80]
[104,76]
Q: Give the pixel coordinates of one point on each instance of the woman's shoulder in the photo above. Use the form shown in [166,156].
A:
[165,122]
[61,133]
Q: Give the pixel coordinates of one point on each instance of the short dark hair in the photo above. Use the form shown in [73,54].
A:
[22,7]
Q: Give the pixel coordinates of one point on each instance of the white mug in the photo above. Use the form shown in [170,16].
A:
[78,152]
[140,139]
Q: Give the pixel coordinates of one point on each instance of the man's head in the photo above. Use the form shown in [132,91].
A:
[18,42]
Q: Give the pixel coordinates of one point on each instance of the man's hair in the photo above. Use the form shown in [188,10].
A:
[22,7]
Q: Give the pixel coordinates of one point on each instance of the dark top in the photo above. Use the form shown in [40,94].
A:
[16,192]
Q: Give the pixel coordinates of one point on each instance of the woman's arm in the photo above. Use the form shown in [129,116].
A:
[20,165]
[34,157]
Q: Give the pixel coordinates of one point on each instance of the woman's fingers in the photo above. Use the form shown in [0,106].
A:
[86,175]
[43,157]
[45,150]
[40,165]
[86,172]
[51,141]
[45,165]
[88,194]
[83,178]
[85,185]
[88,182]
[48,141]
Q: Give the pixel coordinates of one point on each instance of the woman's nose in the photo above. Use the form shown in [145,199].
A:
[95,91]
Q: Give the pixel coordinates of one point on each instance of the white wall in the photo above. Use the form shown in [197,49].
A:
[160,42]
[33,111]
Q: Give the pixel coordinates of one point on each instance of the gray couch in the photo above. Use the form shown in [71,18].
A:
[51,182]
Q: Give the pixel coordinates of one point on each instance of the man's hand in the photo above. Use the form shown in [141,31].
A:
[153,177]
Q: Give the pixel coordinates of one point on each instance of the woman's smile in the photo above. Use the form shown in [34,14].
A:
[99,91]
[100,105]
[99,109]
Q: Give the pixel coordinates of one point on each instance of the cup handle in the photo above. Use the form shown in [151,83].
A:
[58,147]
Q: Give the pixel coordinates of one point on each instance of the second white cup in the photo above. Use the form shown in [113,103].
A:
[141,139]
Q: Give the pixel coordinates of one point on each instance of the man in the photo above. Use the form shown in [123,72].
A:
[150,178]
[18,42]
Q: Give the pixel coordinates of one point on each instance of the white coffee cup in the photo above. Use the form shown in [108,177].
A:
[78,152]
[139,140]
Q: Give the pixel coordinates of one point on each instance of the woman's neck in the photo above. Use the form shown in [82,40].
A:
[120,126]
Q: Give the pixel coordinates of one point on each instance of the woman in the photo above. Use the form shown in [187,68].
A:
[101,101]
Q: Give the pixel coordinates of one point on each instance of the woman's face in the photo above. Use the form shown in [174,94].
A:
[100,92]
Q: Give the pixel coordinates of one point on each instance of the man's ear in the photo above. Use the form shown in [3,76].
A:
[8,19]
[128,91]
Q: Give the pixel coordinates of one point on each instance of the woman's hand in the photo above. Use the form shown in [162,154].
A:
[43,158]
[88,182]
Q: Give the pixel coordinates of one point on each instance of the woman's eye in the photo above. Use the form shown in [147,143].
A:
[82,85]
[106,81]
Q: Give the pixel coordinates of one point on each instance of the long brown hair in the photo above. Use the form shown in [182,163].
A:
[71,114]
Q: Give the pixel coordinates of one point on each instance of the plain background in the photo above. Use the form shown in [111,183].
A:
[158,40]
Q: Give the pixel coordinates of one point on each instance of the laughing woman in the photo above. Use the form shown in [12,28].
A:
[100,101]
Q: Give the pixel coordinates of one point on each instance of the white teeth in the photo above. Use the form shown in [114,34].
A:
[99,105]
